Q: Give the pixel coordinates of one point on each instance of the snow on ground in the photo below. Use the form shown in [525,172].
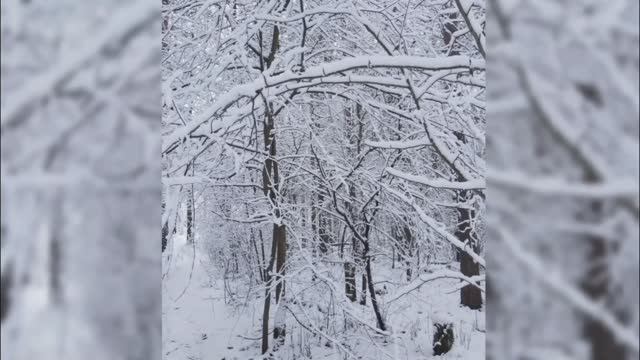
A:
[196,322]
[200,323]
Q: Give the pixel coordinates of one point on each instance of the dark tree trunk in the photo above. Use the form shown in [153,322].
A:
[470,295]
[280,237]
[267,296]
[6,273]
[408,238]
[350,280]
[393,257]
[270,187]
[55,268]
[363,300]
[372,290]
[323,233]
[604,344]
[165,229]
[315,235]
[6,287]
[190,216]
[55,253]
[165,234]
[374,301]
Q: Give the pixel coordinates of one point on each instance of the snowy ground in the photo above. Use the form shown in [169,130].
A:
[200,323]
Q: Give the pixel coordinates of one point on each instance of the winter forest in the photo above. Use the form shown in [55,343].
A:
[315,170]
[323,179]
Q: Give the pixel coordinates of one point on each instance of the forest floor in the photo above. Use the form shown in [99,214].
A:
[202,322]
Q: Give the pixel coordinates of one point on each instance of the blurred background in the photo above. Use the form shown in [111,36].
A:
[80,166]
[562,197]
[80,180]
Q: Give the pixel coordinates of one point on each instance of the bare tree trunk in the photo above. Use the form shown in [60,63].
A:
[265,320]
[7,277]
[372,291]
[363,299]
[267,299]
[270,186]
[55,252]
[353,125]
[408,238]
[374,301]
[165,228]
[280,238]
[350,280]
[393,257]
[6,287]
[604,344]
[165,235]
[189,217]
[279,230]
[470,295]
[323,233]
[315,235]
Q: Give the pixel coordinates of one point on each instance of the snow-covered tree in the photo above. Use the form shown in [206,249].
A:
[325,144]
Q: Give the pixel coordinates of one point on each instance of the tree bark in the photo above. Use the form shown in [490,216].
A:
[604,344]
[165,228]
[323,233]
[470,295]
[165,234]
[190,215]
[271,185]
[350,280]
[408,238]
[6,288]
[363,299]
[267,299]
[374,301]
[280,238]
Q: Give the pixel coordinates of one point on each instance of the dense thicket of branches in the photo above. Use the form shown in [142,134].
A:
[315,134]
